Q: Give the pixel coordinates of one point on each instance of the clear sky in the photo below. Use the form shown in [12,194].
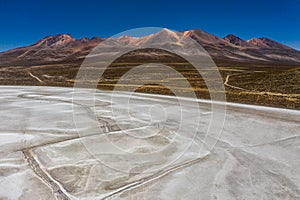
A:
[25,22]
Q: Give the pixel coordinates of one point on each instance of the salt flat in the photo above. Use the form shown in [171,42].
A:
[55,147]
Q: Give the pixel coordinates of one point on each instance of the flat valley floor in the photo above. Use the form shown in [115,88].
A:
[54,147]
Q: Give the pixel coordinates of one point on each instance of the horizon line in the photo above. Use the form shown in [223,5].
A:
[158,29]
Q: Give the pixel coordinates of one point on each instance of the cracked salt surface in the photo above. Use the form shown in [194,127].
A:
[257,156]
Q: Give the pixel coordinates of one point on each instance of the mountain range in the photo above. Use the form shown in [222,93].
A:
[227,51]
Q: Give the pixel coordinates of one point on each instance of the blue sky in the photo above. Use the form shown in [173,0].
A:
[25,22]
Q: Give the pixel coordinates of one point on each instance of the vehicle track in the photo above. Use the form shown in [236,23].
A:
[35,77]
[232,86]
[59,192]
[257,92]
[155,176]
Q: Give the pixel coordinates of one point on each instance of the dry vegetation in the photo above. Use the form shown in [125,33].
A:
[276,86]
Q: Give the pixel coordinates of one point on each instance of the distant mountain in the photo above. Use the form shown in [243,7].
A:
[227,51]
[51,49]
[204,37]
[55,41]
[267,43]
[237,41]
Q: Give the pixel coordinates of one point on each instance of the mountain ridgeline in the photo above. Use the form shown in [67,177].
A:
[228,51]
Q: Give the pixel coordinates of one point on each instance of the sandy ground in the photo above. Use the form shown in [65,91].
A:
[55,147]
